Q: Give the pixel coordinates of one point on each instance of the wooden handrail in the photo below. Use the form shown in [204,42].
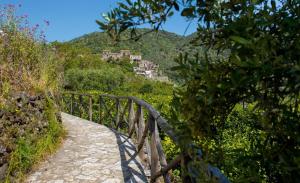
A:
[147,134]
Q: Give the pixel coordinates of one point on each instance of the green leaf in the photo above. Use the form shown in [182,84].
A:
[121,5]
[129,2]
[101,24]
[240,40]
[273,3]
[176,6]
[188,12]
[105,16]
[171,14]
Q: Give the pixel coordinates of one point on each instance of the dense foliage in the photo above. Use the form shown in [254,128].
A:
[259,66]
[29,78]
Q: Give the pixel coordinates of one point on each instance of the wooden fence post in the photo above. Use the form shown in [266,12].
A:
[154,154]
[130,116]
[184,164]
[100,109]
[80,106]
[117,120]
[162,157]
[136,120]
[90,108]
[71,106]
[141,128]
[61,100]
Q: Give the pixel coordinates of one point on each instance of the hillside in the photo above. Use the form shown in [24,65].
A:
[160,47]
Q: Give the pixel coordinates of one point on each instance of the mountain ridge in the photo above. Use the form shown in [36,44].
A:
[160,47]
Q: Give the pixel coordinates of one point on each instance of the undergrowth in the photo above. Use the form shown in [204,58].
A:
[28,67]
[31,149]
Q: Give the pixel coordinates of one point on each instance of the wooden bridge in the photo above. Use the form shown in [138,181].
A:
[119,146]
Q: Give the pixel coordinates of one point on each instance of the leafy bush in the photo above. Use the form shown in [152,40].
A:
[146,88]
[29,75]
[257,48]
[31,142]
[103,80]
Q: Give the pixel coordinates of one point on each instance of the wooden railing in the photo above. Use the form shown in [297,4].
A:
[127,115]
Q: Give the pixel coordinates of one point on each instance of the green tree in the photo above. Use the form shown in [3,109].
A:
[256,60]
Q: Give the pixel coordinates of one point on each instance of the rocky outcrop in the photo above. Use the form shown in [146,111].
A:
[22,115]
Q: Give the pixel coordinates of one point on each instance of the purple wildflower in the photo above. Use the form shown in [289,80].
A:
[47,22]
[10,5]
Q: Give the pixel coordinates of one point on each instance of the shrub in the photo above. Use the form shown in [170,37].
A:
[104,80]
[257,48]
[146,88]
[29,75]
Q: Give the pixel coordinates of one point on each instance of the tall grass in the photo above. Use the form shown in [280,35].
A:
[27,62]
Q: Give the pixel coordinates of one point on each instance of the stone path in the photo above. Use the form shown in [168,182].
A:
[90,153]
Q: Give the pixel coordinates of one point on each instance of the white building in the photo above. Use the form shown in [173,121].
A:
[135,58]
[144,68]
[107,54]
[2,33]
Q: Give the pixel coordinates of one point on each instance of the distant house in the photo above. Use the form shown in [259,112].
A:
[107,54]
[125,53]
[147,65]
[135,58]
[144,68]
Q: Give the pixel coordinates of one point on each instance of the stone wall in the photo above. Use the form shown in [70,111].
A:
[21,114]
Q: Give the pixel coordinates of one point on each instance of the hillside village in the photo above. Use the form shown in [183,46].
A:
[144,68]
[73,111]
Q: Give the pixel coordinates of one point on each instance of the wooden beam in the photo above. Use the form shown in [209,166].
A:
[123,111]
[90,108]
[130,117]
[162,157]
[80,106]
[169,167]
[100,109]
[154,154]
[141,129]
[117,118]
[71,106]
[143,137]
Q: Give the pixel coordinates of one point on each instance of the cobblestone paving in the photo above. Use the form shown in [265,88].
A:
[90,153]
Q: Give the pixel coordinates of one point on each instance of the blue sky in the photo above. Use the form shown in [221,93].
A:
[72,18]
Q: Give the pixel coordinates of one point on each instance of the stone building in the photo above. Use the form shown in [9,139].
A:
[135,58]
[107,54]
[125,53]
[144,68]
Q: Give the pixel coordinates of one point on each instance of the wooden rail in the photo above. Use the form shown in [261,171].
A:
[127,115]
